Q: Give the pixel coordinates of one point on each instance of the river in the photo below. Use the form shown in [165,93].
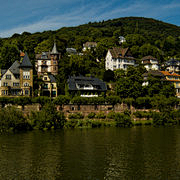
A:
[92,154]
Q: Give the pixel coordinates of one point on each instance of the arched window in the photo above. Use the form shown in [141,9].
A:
[26,84]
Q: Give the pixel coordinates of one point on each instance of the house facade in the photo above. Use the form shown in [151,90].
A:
[89,45]
[49,86]
[173,78]
[150,63]
[47,62]
[119,58]
[172,65]
[86,86]
[18,79]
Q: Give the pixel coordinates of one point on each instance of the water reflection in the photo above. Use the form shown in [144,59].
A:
[110,153]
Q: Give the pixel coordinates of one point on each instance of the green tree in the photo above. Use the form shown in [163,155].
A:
[9,54]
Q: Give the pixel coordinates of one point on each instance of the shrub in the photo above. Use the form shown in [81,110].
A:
[47,118]
[12,118]
[61,99]
[123,120]
[111,115]
[76,116]
[91,115]
[100,115]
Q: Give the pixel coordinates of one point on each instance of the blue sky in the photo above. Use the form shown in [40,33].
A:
[40,15]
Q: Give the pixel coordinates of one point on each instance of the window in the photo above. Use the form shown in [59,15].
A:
[45,78]
[15,84]
[26,84]
[5,84]
[26,75]
[54,62]
[26,92]
[45,86]
[8,76]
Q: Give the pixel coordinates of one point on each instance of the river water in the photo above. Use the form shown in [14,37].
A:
[92,154]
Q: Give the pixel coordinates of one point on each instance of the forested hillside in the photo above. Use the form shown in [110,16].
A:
[144,36]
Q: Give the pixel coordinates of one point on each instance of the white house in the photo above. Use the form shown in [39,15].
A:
[119,58]
[150,63]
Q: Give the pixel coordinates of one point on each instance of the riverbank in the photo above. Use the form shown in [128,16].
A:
[13,119]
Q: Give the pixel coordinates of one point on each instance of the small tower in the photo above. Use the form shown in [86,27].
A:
[55,56]
[26,76]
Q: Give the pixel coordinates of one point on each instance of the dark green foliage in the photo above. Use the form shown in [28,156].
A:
[6,100]
[61,99]
[164,104]
[113,100]
[12,119]
[123,120]
[164,118]
[143,114]
[100,115]
[76,116]
[83,100]
[47,118]
[42,100]
[143,103]
[111,115]
[9,54]
[22,101]
[130,85]
[108,76]
[91,115]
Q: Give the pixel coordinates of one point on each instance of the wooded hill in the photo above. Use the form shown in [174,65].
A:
[144,36]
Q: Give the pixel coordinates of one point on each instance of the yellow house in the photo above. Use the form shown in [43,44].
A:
[49,86]
[175,79]
[18,79]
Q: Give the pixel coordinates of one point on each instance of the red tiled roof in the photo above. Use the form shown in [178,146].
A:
[167,73]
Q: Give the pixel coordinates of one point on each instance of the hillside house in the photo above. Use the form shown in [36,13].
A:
[86,86]
[172,65]
[18,79]
[47,62]
[49,86]
[150,63]
[119,58]
[89,46]
[173,78]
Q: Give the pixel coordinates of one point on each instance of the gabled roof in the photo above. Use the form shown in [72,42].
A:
[148,58]
[26,62]
[119,52]
[15,67]
[73,80]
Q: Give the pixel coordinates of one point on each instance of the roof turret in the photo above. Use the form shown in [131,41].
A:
[54,50]
[26,61]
